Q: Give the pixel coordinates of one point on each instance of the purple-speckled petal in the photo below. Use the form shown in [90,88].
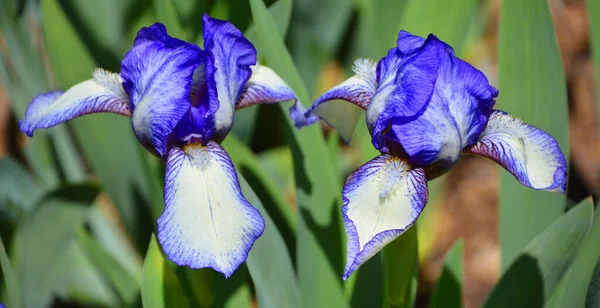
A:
[332,107]
[528,153]
[103,93]
[229,57]
[207,221]
[157,75]
[382,199]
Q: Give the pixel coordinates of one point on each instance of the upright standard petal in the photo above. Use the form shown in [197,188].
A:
[382,199]
[102,93]
[359,89]
[229,57]
[454,114]
[528,153]
[158,74]
[207,221]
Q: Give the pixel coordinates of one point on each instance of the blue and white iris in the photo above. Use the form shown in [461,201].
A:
[182,100]
[425,108]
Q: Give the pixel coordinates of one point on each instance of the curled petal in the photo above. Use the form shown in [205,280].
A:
[264,87]
[332,106]
[528,153]
[207,221]
[382,199]
[158,74]
[103,93]
[229,57]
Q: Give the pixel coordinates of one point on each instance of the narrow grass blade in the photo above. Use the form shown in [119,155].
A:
[448,290]
[269,262]
[160,286]
[533,88]
[319,252]
[535,274]
[11,282]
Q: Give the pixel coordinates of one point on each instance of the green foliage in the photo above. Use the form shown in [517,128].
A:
[15,298]
[448,289]
[533,88]
[535,274]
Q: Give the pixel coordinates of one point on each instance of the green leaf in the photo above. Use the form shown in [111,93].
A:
[160,286]
[533,88]
[126,283]
[319,250]
[107,140]
[15,298]
[45,257]
[448,290]
[401,259]
[18,186]
[593,296]
[593,10]
[448,20]
[166,14]
[534,275]
[573,287]
[245,119]
[269,262]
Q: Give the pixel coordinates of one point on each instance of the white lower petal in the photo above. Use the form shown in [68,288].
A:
[382,199]
[207,221]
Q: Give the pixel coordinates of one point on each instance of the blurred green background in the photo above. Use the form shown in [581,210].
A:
[78,202]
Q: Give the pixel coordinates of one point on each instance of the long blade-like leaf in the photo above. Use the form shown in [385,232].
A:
[15,298]
[532,87]
[593,10]
[448,290]
[319,253]
[534,275]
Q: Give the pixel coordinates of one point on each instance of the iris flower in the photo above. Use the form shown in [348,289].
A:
[424,109]
[181,100]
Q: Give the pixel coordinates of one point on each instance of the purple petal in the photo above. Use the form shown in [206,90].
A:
[449,103]
[103,93]
[158,76]
[207,221]
[382,199]
[230,56]
[528,153]
[332,106]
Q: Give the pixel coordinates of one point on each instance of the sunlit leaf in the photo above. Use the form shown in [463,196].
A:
[534,275]
[401,259]
[319,253]
[593,10]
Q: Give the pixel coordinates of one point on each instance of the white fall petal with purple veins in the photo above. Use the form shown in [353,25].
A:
[207,221]
[382,199]
[102,93]
[528,153]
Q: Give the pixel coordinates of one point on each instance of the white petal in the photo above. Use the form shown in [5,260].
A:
[264,87]
[207,221]
[382,199]
[528,153]
[103,93]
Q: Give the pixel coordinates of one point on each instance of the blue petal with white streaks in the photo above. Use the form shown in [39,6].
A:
[157,75]
[207,221]
[228,61]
